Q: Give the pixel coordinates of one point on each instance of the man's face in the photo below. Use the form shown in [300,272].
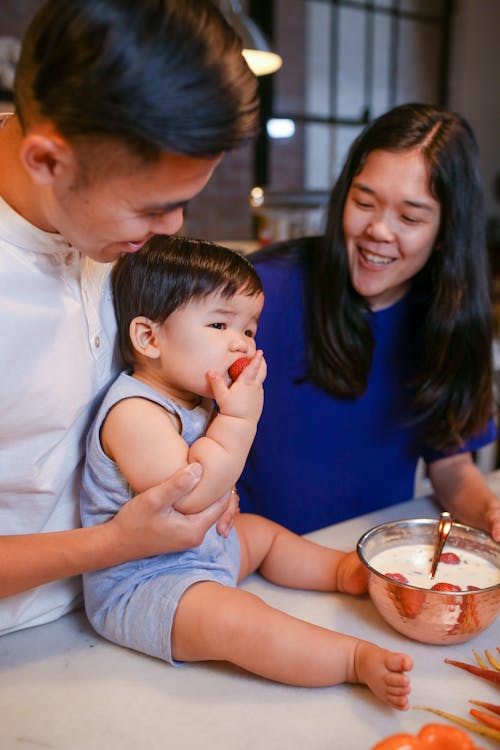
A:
[116,212]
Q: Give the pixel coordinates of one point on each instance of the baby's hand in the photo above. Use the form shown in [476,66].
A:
[352,576]
[245,397]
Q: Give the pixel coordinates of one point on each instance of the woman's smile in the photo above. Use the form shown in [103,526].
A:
[390,224]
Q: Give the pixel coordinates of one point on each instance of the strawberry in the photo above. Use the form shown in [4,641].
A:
[399,577]
[237,367]
[445,587]
[449,557]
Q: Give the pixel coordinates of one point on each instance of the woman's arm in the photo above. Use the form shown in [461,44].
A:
[462,490]
[141,437]
[147,525]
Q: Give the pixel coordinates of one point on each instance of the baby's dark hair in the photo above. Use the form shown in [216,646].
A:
[170,271]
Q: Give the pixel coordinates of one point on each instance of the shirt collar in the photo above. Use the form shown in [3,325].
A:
[16,230]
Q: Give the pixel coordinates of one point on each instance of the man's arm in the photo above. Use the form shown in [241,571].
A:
[462,490]
[147,525]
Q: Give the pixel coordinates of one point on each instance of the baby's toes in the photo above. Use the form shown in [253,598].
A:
[397,680]
[400,702]
[397,690]
[398,662]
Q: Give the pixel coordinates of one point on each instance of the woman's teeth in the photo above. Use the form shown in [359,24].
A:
[376,259]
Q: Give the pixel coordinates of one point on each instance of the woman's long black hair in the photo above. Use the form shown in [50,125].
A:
[454,386]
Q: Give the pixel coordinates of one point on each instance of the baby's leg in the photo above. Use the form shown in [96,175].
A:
[215,622]
[290,560]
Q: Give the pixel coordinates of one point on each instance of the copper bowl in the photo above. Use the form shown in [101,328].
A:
[442,617]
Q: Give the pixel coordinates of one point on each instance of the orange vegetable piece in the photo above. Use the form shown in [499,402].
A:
[444,737]
[399,742]
[486,718]
[490,706]
[430,737]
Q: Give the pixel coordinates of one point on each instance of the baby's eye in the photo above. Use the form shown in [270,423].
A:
[218,326]
[250,333]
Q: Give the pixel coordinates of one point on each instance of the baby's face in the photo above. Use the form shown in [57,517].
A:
[207,334]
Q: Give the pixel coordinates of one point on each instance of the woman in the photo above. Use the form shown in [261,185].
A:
[378,336]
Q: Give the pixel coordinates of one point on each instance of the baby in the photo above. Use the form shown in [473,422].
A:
[187,310]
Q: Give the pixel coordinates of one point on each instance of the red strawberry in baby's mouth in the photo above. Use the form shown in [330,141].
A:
[237,367]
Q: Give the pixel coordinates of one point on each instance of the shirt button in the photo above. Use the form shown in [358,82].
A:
[97,342]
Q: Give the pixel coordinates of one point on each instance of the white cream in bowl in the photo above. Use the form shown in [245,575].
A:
[413,561]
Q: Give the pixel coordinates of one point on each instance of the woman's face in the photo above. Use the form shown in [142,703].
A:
[390,225]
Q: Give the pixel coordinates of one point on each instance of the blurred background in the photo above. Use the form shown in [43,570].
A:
[343,63]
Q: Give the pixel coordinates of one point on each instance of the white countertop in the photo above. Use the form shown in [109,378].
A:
[63,687]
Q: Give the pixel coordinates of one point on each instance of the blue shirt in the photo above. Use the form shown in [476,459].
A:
[316,459]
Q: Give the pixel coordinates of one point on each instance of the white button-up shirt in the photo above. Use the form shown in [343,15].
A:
[57,352]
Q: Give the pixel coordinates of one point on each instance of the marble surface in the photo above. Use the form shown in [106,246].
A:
[65,688]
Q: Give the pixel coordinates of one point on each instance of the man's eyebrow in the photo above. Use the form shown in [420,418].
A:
[413,204]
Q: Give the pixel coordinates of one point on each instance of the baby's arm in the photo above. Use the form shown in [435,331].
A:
[142,438]
[224,449]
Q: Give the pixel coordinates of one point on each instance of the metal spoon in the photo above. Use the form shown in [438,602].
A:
[444,527]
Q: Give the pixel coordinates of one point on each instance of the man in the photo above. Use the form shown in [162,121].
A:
[123,111]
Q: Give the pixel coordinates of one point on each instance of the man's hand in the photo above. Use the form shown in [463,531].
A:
[149,525]
[226,521]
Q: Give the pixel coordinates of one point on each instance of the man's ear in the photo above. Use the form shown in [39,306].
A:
[47,157]
[143,336]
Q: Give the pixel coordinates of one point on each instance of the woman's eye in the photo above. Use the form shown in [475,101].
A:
[362,204]
[410,219]
[218,326]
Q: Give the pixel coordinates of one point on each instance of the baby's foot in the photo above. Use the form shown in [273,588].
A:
[352,576]
[384,673]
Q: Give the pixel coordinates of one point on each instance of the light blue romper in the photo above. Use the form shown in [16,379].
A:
[133,604]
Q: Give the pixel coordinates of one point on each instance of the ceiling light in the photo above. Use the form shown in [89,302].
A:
[256,50]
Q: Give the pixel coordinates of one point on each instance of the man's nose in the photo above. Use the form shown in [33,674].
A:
[169,223]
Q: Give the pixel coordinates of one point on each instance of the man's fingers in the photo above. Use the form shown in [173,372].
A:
[210,515]
[177,486]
